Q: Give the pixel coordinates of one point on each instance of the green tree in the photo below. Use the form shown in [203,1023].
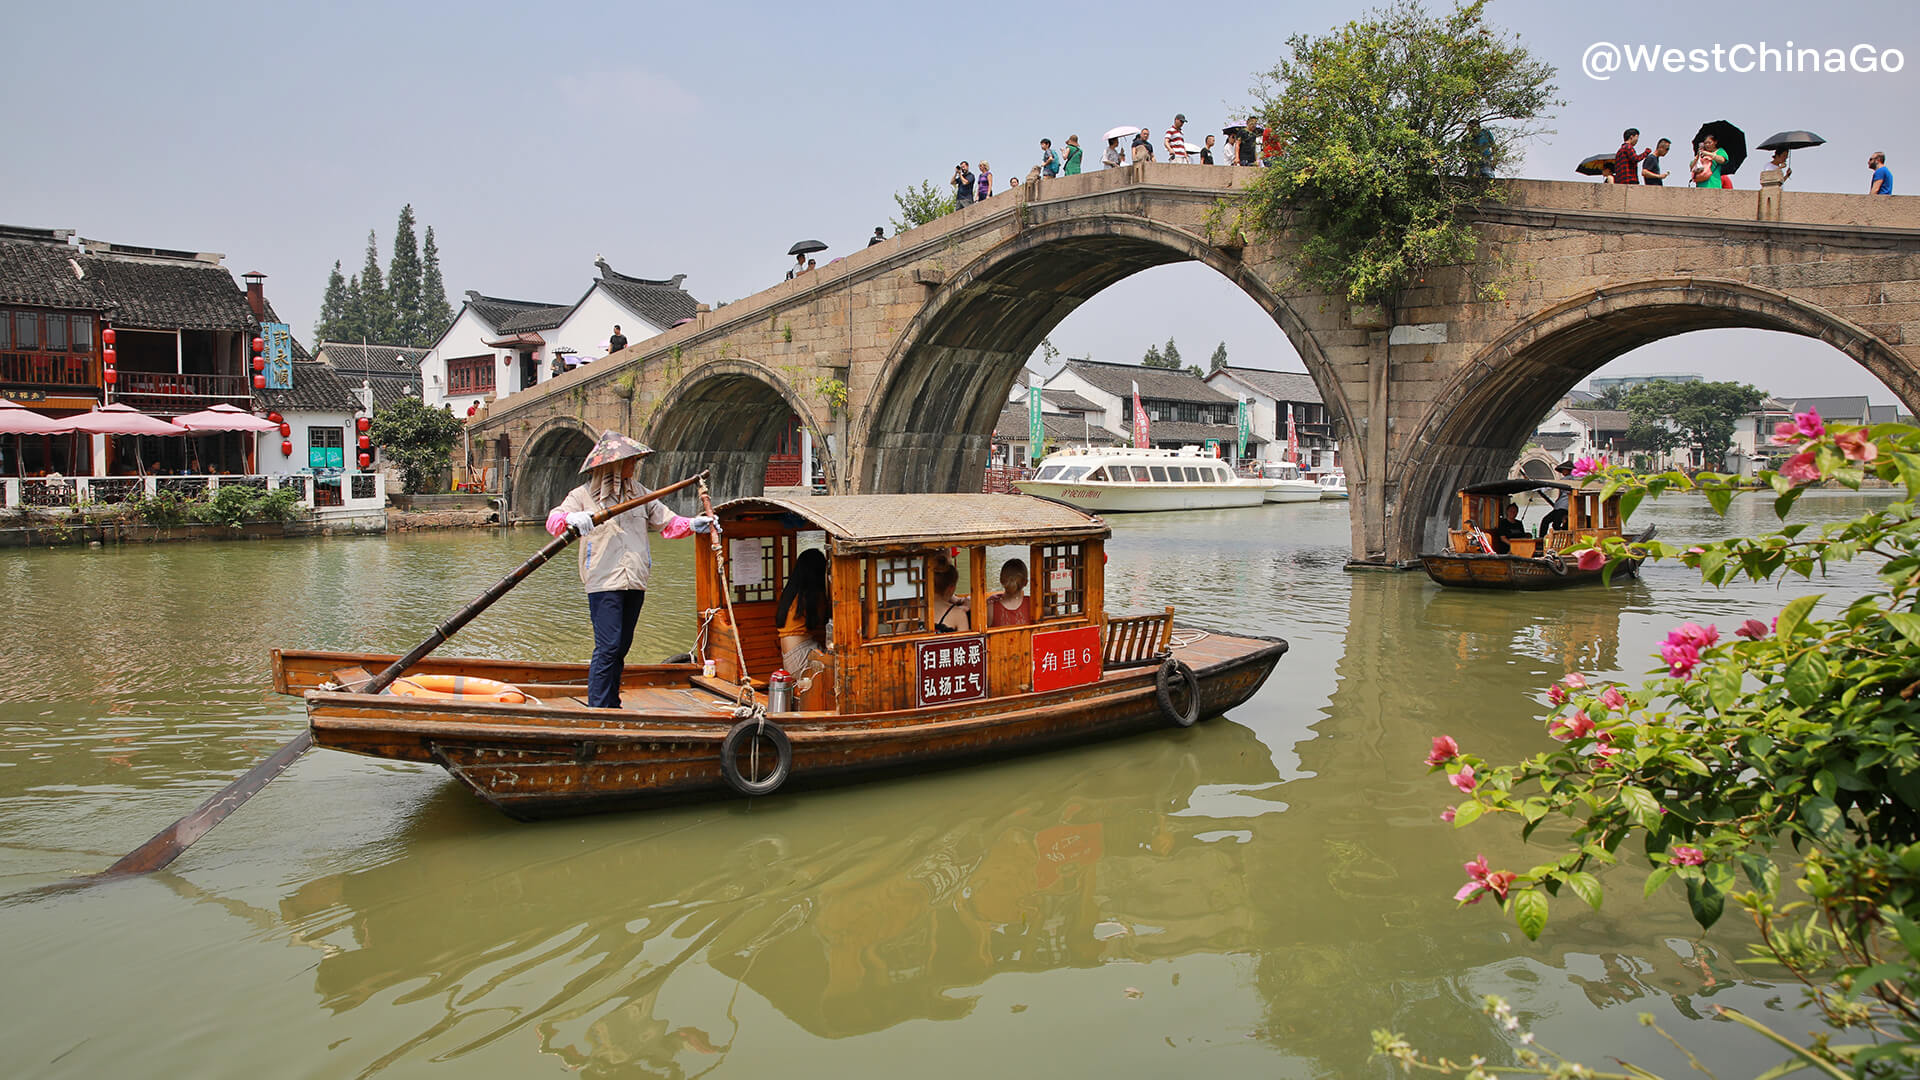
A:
[404,282]
[333,308]
[353,325]
[1699,414]
[376,304]
[921,204]
[1613,397]
[1171,355]
[1380,166]
[1219,357]
[416,437]
[436,314]
[1153,359]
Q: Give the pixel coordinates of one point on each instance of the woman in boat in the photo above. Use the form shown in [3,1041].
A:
[1509,527]
[804,614]
[1011,606]
[950,613]
[614,558]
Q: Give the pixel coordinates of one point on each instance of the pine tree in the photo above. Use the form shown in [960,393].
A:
[376,305]
[1152,358]
[404,282]
[435,313]
[333,307]
[1171,354]
[354,326]
[1219,357]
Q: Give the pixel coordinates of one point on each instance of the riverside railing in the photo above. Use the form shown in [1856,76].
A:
[347,491]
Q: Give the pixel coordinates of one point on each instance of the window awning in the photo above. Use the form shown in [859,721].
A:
[524,340]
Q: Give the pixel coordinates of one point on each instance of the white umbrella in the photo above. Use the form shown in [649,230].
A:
[1126,132]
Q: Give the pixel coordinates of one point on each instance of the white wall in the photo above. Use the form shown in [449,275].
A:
[1110,404]
[591,323]
[1268,420]
[271,462]
[466,337]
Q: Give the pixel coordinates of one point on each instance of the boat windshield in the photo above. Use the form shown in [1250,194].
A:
[1048,472]
[1074,472]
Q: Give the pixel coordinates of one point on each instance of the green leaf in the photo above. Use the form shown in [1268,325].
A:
[1806,679]
[1824,820]
[1641,806]
[1466,814]
[1719,498]
[1794,614]
[1586,887]
[1783,505]
[1629,502]
[1530,913]
[1723,686]
[1904,623]
[1656,879]
[1705,901]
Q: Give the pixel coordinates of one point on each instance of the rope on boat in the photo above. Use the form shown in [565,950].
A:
[745,707]
[1181,639]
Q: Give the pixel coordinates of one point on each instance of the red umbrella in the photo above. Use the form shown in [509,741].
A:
[117,419]
[224,417]
[17,419]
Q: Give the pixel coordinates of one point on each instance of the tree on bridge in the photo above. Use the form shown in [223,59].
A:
[1663,415]
[1379,120]
[921,204]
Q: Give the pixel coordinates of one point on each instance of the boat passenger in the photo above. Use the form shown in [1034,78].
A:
[614,559]
[804,614]
[1509,527]
[1011,606]
[946,577]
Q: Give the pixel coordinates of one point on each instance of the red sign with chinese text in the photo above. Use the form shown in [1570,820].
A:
[950,669]
[1063,658]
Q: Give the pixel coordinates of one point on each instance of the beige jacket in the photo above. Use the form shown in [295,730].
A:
[614,555]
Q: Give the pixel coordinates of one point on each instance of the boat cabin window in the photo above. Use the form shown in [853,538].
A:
[757,565]
[896,595]
[1061,584]
[1048,473]
[1097,475]
[1193,475]
[1074,472]
[1158,473]
[1139,473]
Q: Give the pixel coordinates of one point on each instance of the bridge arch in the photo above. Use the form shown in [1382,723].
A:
[727,416]
[1472,430]
[550,465]
[930,415]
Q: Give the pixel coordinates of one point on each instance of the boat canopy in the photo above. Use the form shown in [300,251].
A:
[1514,486]
[860,523]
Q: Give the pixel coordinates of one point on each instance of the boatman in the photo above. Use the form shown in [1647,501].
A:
[614,560]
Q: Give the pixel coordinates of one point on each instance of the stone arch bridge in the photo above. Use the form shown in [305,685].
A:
[900,356]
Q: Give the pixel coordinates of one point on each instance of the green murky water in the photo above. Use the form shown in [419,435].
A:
[1246,898]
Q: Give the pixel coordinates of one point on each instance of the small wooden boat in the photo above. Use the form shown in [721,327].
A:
[894,695]
[1473,560]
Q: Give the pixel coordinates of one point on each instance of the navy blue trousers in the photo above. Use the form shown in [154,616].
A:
[614,614]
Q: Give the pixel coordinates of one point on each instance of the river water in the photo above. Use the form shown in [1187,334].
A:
[1248,897]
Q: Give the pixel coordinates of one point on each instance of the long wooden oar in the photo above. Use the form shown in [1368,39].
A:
[167,844]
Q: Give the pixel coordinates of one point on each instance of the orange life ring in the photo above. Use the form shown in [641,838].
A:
[460,688]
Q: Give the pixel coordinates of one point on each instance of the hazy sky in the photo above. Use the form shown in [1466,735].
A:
[705,138]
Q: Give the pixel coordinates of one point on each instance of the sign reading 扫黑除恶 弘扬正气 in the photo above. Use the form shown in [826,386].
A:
[950,669]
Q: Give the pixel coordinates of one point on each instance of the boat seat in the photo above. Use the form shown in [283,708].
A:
[758,636]
[1135,639]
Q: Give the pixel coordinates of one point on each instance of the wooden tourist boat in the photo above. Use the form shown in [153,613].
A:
[1533,563]
[894,696]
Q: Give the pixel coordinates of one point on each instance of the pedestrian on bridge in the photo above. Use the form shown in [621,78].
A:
[962,185]
[1882,182]
[1176,141]
[1049,161]
[1072,166]
[1627,159]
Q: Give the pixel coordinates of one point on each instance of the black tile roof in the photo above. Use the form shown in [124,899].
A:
[1278,385]
[389,360]
[540,318]
[1068,401]
[661,303]
[494,310]
[1159,384]
[1012,427]
[1848,410]
[316,388]
[139,292]
[300,353]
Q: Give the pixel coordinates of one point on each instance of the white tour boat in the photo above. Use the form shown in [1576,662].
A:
[1123,478]
[1333,485]
[1285,484]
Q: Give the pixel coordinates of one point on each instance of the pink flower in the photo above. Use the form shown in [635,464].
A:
[1498,882]
[1556,694]
[1592,559]
[1444,750]
[1785,433]
[1464,779]
[1681,658]
[1447,815]
[1800,468]
[1587,466]
[1856,446]
[1575,681]
[1482,879]
[1682,855]
[1605,753]
[1613,699]
[1566,729]
[1701,636]
[1808,424]
[1752,629]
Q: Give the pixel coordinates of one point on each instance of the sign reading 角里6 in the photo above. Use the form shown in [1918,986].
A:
[1063,658]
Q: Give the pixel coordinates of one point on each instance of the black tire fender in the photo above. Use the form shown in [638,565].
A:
[1170,672]
[737,737]
[679,658]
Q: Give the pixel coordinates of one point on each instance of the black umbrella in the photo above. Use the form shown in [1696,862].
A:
[1792,140]
[1597,165]
[806,247]
[1729,138]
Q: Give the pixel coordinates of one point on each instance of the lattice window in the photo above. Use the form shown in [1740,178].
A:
[768,587]
[896,595]
[363,485]
[1062,580]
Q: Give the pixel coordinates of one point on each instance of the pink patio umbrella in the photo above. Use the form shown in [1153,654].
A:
[224,417]
[118,419]
[16,420]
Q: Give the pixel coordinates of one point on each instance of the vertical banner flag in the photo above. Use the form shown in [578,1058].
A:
[1036,431]
[1139,419]
[1293,437]
[278,338]
[1240,435]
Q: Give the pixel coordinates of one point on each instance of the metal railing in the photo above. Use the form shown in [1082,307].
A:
[356,491]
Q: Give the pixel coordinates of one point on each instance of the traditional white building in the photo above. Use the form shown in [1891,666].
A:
[1272,395]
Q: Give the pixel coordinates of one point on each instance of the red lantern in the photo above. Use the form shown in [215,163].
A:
[106,337]
[259,363]
[277,418]
[362,423]
[285,428]
[286,447]
[259,382]
[366,460]
[108,355]
[259,345]
[112,376]
[366,443]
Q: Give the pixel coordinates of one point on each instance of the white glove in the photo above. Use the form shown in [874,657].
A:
[701,524]
[580,521]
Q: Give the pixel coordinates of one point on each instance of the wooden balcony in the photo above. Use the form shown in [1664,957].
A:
[164,392]
[50,371]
